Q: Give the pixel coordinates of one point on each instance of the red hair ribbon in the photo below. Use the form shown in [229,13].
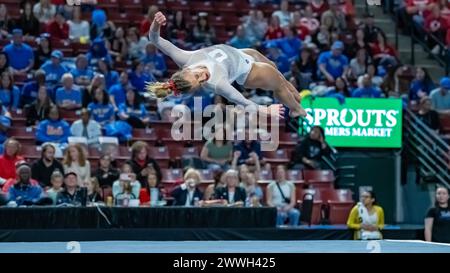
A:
[173,87]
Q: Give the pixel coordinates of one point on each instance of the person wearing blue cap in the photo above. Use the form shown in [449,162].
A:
[20,55]
[333,64]
[440,97]
[53,67]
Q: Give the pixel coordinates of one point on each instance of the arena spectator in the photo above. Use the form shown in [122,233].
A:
[335,15]
[86,127]
[53,129]
[110,76]
[367,90]
[369,29]
[23,192]
[117,92]
[274,30]
[358,65]
[20,55]
[421,86]
[179,33]
[437,220]
[78,28]
[281,194]
[44,167]
[154,61]
[6,24]
[309,21]
[290,44]
[28,21]
[333,63]
[133,110]
[118,45]
[372,72]
[366,218]
[101,28]
[5,125]
[440,97]
[71,195]
[322,39]
[9,93]
[233,194]
[253,191]
[98,51]
[4,63]
[188,193]
[278,57]
[319,7]
[217,152]
[255,26]
[30,90]
[219,181]
[419,10]
[126,183]
[93,190]
[203,33]
[153,193]
[429,116]
[136,44]
[383,53]
[69,95]
[53,68]
[75,161]
[44,50]
[106,174]
[240,39]
[340,90]
[147,22]
[250,150]
[100,108]
[139,77]
[308,154]
[38,110]
[44,11]
[436,25]
[283,14]
[56,181]
[82,73]
[58,27]
[359,42]
[142,163]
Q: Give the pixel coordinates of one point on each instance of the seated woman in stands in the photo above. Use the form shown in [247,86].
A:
[100,108]
[53,129]
[133,111]
[39,109]
[217,152]
[367,218]
[127,186]
[253,190]
[75,161]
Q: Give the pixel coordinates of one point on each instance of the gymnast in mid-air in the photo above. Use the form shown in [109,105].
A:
[217,67]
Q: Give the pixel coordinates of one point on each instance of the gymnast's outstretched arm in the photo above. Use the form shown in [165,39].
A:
[179,56]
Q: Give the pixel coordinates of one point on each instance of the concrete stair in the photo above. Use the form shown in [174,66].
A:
[387,24]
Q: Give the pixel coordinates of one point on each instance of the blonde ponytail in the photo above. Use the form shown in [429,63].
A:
[158,89]
[176,85]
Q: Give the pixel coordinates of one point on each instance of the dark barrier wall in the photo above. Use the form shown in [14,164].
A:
[377,169]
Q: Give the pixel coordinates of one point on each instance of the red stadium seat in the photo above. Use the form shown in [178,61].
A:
[147,135]
[319,178]
[340,203]
[176,5]
[161,155]
[277,157]
[172,175]
[295,176]
[131,6]
[288,139]
[109,5]
[225,7]
[30,152]
[25,135]
[203,6]
[444,119]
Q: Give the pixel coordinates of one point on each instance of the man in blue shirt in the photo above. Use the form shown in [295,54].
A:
[68,96]
[154,61]
[240,40]
[23,192]
[368,90]
[82,73]
[440,97]
[290,45]
[333,64]
[117,92]
[53,68]
[20,55]
[30,89]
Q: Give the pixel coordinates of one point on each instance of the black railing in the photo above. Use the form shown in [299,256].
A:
[428,149]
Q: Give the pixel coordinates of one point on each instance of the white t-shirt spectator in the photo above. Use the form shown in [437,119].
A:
[77,30]
[277,199]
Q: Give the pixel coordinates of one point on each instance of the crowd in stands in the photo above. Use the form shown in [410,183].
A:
[58,59]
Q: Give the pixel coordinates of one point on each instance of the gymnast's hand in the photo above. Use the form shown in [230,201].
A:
[160,19]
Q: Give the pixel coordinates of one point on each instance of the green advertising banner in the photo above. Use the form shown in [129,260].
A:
[358,122]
